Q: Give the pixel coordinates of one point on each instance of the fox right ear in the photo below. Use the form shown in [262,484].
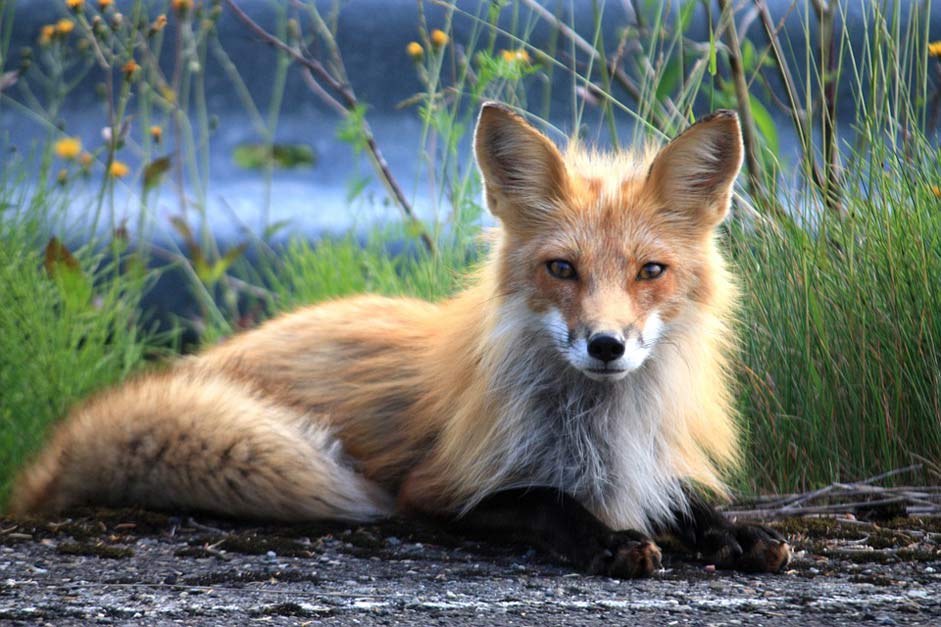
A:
[693,175]
[524,173]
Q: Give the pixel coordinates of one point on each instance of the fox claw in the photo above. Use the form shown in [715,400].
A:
[749,548]
[626,555]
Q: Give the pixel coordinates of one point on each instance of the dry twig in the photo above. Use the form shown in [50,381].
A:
[847,498]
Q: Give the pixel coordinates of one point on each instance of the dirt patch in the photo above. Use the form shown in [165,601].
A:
[123,566]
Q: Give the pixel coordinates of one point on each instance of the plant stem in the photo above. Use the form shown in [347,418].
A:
[350,103]
[743,99]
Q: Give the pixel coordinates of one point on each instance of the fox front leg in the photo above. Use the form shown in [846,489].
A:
[555,522]
[740,546]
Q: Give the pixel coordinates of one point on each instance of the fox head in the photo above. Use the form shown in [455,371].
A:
[609,253]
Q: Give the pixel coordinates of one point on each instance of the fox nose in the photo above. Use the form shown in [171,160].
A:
[605,346]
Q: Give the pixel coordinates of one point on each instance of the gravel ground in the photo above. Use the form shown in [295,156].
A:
[133,567]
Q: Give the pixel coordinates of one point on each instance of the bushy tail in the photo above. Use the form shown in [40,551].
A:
[185,440]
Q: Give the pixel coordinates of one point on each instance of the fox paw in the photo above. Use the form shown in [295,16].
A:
[624,555]
[749,548]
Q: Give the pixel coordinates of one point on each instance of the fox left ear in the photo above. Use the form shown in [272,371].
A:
[695,172]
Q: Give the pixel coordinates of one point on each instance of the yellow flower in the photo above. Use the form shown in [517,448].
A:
[75,5]
[64,26]
[46,33]
[934,49]
[67,147]
[513,56]
[414,50]
[160,23]
[936,190]
[85,160]
[104,4]
[168,94]
[118,169]
[181,6]
[130,68]
[157,133]
[439,38]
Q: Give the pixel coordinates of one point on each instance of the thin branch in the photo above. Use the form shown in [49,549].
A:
[349,104]
[318,89]
[847,498]
[790,87]
[828,94]
[744,108]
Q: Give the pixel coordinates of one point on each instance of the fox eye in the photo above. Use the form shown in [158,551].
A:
[561,269]
[651,271]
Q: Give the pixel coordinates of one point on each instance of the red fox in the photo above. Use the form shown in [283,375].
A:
[576,396]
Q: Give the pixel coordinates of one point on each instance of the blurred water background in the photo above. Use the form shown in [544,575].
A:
[372,36]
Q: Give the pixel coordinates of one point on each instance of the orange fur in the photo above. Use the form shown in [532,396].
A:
[342,409]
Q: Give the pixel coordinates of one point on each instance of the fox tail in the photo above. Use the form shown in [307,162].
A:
[189,440]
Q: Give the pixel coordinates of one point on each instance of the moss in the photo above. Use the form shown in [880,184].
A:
[930,524]
[252,543]
[284,609]
[920,555]
[818,528]
[366,539]
[876,580]
[248,576]
[861,556]
[12,538]
[96,550]
[880,538]
[85,524]
[198,552]
[817,534]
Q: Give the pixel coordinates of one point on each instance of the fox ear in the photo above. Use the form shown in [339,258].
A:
[695,172]
[523,172]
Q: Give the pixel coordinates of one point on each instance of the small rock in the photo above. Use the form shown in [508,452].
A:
[710,568]
[392,540]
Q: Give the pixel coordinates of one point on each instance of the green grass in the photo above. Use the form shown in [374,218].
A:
[310,273]
[839,256]
[63,335]
[842,361]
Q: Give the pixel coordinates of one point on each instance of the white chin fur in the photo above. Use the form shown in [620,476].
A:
[607,375]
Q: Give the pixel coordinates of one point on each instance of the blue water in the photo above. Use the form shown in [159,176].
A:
[372,38]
